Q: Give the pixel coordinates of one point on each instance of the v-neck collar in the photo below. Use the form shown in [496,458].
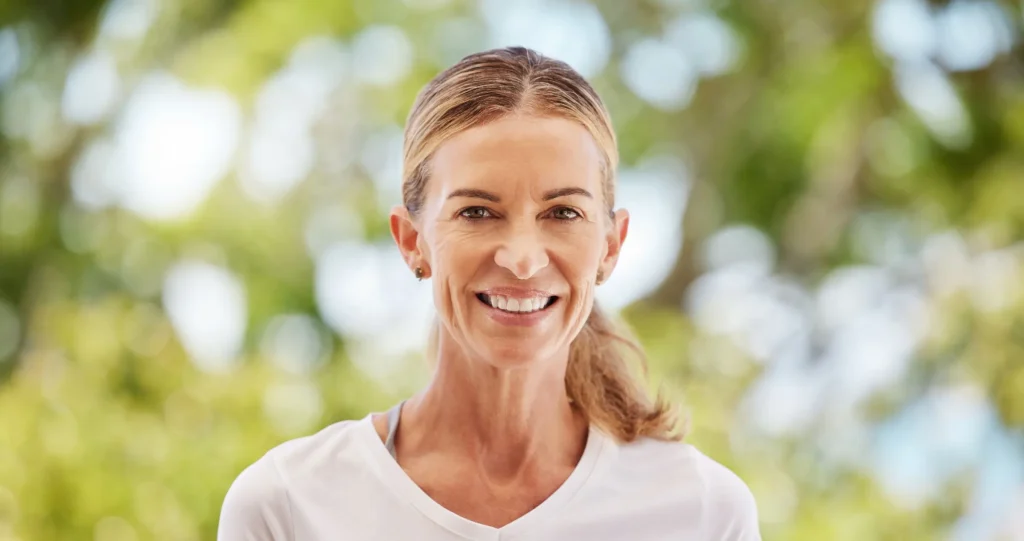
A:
[595,454]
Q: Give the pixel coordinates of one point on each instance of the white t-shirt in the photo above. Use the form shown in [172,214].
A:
[341,484]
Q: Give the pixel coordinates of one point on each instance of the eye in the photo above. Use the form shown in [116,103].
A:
[475,213]
[566,214]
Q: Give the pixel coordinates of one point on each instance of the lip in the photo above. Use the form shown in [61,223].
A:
[518,320]
[517,292]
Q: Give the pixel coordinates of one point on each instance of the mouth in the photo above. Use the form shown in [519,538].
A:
[517,306]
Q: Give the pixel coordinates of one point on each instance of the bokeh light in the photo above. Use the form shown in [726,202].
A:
[825,261]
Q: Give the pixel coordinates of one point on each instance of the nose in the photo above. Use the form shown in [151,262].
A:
[522,253]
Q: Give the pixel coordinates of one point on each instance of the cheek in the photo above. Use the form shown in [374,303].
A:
[455,257]
[579,257]
[454,253]
[579,254]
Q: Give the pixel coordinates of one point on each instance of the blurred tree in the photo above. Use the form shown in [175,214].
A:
[816,137]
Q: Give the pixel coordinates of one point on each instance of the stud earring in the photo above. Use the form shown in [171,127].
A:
[600,276]
[419,273]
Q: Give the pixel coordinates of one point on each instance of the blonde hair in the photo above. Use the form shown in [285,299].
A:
[482,88]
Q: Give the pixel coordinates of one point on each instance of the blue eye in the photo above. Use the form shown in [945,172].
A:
[475,213]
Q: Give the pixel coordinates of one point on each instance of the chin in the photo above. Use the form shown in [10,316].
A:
[513,353]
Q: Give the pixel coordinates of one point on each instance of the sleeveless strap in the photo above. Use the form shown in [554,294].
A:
[393,415]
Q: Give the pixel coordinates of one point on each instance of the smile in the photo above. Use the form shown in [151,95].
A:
[517,306]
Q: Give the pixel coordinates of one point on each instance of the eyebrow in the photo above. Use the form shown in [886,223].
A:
[474,193]
[482,194]
[563,192]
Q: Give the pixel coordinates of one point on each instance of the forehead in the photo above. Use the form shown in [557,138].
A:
[523,152]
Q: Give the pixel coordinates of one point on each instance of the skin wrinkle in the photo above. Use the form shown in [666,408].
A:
[508,409]
[520,159]
[521,234]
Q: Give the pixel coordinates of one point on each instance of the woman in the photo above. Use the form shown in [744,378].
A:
[532,426]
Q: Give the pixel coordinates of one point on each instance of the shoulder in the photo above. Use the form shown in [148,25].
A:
[728,510]
[732,510]
[258,504]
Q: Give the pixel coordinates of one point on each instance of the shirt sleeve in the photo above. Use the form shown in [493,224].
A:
[256,507]
[731,511]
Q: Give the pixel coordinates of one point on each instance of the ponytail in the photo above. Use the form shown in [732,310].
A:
[492,84]
[599,382]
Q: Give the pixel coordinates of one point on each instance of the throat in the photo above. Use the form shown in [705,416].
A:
[502,440]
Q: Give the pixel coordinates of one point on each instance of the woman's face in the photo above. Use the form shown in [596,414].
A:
[514,231]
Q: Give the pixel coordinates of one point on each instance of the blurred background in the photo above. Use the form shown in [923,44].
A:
[826,261]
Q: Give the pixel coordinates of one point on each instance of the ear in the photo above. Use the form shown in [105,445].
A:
[615,238]
[407,236]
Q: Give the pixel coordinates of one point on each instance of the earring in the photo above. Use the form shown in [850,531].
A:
[600,276]
[419,273]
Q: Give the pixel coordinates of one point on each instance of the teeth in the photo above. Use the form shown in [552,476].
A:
[519,306]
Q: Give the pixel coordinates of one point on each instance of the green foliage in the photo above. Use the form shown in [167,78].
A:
[108,431]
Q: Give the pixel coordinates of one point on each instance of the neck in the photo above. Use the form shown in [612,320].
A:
[510,422]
